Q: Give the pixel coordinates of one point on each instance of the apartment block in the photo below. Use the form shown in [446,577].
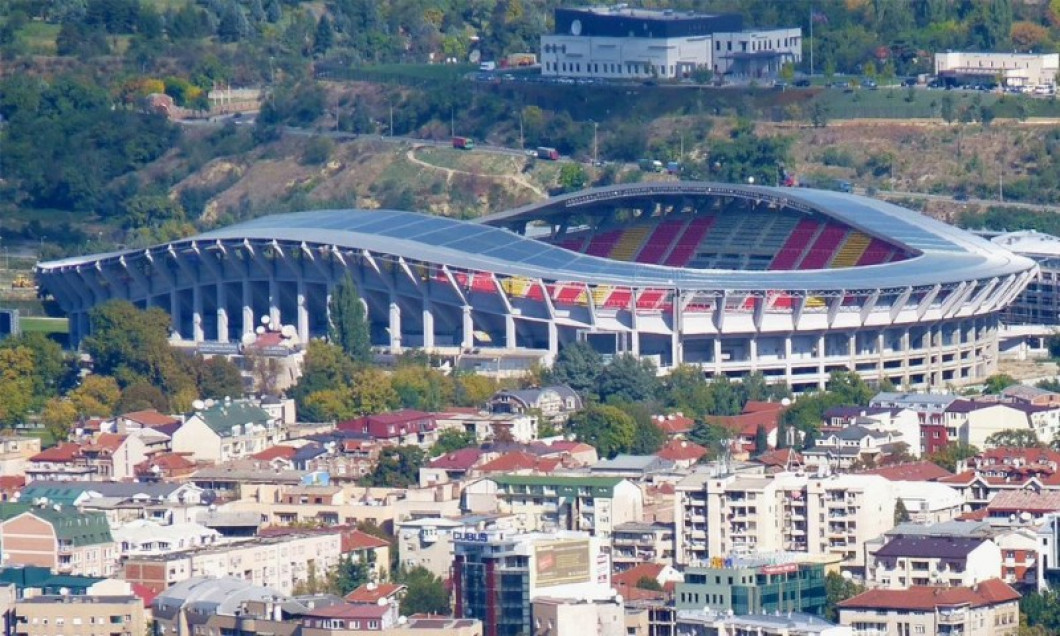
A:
[719,515]
[80,616]
[276,562]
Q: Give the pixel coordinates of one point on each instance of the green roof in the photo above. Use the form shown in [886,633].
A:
[65,495]
[79,528]
[558,480]
[568,486]
[222,417]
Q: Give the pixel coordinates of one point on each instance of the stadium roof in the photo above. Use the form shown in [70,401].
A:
[945,254]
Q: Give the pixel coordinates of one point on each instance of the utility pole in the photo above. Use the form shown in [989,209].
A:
[811,40]
[452,121]
[522,141]
[391,120]
[596,147]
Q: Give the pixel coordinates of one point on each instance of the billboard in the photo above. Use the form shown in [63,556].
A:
[561,563]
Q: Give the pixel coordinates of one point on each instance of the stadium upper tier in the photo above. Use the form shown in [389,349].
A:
[754,238]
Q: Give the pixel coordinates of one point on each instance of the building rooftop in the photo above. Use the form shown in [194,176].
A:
[77,528]
[1025,501]
[910,471]
[920,598]
[929,547]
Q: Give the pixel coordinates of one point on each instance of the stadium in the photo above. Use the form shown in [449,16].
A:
[793,283]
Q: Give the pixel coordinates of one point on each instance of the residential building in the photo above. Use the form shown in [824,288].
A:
[554,403]
[122,501]
[520,427]
[990,608]
[453,466]
[62,539]
[497,577]
[634,467]
[15,450]
[683,453]
[560,616]
[636,542]
[758,584]
[227,430]
[908,561]
[928,502]
[1027,394]
[674,425]
[114,456]
[400,428]
[623,43]
[972,422]
[756,416]
[279,504]
[81,615]
[185,608]
[428,542]
[355,544]
[559,502]
[1007,69]
[852,446]
[149,418]
[146,538]
[1018,507]
[626,582]
[721,514]
[61,462]
[164,467]
[710,623]
[276,562]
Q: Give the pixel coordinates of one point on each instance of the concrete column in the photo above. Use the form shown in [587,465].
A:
[275,320]
[553,340]
[395,325]
[303,312]
[468,327]
[752,349]
[174,310]
[634,342]
[509,332]
[717,355]
[853,349]
[222,312]
[198,334]
[248,306]
[428,324]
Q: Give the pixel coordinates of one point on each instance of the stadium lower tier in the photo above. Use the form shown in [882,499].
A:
[931,336]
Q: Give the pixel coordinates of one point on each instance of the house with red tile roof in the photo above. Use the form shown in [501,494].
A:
[674,424]
[989,608]
[350,618]
[165,467]
[683,453]
[61,462]
[996,470]
[371,593]
[755,415]
[278,456]
[665,575]
[11,485]
[780,460]
[149,418]
[114,456]
[15,450]
[910,471]
[404,427]
[453,466]
[519,463]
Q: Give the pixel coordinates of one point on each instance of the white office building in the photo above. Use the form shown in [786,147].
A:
[618,42]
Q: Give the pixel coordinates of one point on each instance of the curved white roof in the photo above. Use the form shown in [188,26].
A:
[944,254]
[1029,242]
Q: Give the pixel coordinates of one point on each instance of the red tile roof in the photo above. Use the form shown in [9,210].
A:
[747,423]
[150,418]
[12,482]
[143,593]
[509,462]
[682,450]
[912,471]
[923,598]
[169,461]
[370,593]
[357,540]
[105,443]
[462,459]
[1016,501]
[782,457]
[390,425]
[757,406]
[276,452]
[63,452]
[636,573]
[674,423]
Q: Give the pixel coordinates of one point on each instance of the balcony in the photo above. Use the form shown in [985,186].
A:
[952,617]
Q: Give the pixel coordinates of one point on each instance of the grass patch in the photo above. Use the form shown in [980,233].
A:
[40,37]
[39,324]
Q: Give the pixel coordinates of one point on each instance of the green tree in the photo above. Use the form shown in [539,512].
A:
[350,574]
[649,583]
[686,390]
[787,71]
[348,322]
[712,436]
[219,377]
[578,366]
[397,467]
[451,440]
[97,396]
[58,416]
[607,429]
[324,37]
[572,176]
[761,439]
[951,454]
[426,593]
[949,109]
[901,513]
[628,379]
[837,590]
[1014,438]
[648,438]
[999,382]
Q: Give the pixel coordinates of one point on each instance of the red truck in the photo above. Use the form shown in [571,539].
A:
[463,143]
[544,152]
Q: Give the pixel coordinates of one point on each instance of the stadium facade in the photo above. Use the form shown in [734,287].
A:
[793,283]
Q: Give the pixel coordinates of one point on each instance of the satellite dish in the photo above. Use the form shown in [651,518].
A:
[402,620]
[475,56]
[786,402]
[847,575]
[383,601]
[264,320]
[198,405]
[248,339]
[259,330]
[288,331]
[210,403]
